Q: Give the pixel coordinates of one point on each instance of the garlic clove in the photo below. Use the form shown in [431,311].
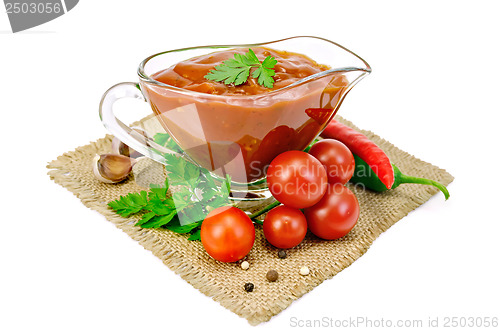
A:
[112,168]
[118,147]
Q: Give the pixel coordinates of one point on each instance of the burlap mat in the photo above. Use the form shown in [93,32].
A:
[224,282]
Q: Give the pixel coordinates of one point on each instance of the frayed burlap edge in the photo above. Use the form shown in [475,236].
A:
[209,286]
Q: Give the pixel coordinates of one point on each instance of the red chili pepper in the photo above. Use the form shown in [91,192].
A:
[366,149]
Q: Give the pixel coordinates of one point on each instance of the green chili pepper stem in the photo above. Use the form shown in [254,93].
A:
[264,210]
[416,180]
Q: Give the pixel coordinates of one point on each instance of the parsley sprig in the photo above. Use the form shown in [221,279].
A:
[193,193]
[236,71]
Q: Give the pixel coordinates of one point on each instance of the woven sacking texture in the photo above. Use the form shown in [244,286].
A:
[224,282]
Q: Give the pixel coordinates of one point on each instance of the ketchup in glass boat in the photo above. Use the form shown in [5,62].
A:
[239,129]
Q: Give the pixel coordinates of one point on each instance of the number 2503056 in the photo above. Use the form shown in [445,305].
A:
[33,8]
[477,322]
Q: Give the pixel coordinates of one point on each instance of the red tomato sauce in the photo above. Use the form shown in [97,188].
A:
[239,130]
[190,74]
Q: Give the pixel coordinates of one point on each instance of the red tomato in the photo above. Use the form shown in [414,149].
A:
[227,234]
[335,215]
[337,159]
[285,227]
[297,179]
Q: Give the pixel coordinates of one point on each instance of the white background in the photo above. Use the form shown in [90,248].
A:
[433,92]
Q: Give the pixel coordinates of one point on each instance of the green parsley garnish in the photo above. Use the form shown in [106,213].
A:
[236,71]
[183,210]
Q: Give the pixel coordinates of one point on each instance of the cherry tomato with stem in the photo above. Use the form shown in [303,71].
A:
[227,234]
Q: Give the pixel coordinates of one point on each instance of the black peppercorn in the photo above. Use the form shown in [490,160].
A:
[282,254]
[249,287]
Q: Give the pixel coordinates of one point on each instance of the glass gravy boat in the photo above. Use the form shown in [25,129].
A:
[237,135]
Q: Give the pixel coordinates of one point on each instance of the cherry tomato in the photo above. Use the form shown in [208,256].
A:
[335,215]
[285,227]
[297,179]
[337,159]
[227,234]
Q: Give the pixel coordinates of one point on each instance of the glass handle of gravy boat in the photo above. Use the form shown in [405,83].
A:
[123,132]
[147,146]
